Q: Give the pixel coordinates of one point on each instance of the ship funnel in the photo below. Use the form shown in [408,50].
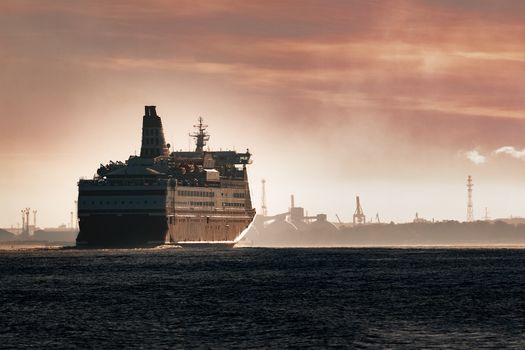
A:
[150,111]
[153,142]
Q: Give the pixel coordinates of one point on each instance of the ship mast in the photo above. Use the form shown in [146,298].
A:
[201,136]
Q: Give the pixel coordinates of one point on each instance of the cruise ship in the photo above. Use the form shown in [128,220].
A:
[195,198]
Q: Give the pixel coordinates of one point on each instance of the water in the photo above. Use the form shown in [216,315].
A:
[258,298]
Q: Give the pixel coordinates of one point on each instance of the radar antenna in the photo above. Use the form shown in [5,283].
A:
[201,136]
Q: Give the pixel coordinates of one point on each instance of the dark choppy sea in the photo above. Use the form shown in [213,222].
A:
[260,298]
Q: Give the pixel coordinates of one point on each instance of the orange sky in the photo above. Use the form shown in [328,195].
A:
[386,99]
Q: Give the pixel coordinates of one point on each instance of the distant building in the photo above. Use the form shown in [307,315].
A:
[418,220]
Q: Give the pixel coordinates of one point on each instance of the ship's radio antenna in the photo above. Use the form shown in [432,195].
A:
[201,136]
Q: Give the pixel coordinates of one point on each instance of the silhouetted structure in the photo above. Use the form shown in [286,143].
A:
[359,215]
[153,142]
[201,136]
[76,215]
[187,198]
[25,222]
[418,220]
[486,217]
[470,209]
[264,209]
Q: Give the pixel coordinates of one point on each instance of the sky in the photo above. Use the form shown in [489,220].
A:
[395,101]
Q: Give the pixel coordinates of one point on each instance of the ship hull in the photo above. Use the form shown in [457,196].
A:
[136,231]
[208,228]
[122,231]
[206,245]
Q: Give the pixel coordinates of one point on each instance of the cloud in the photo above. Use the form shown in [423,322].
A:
[475,157]
[511,151]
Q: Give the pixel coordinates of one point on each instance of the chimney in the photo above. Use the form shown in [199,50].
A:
[153,142]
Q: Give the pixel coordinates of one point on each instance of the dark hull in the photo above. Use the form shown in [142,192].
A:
[112,231]
[206,245]
[137,231]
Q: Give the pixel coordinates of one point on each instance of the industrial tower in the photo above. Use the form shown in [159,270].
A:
[359,216]
[470,210]
[25,221]
[264,210]
[486,217]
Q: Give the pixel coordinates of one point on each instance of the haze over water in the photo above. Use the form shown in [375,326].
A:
[259,298]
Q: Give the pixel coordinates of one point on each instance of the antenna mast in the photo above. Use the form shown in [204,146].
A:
[359,215]
[470,210]
[201,136]
[264,209]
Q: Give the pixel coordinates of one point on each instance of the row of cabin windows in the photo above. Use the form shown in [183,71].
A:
[203,204]
[196,193]
[207,220]
[116,202]
[233,204]
[206,204]
[210,204]
[153,132]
